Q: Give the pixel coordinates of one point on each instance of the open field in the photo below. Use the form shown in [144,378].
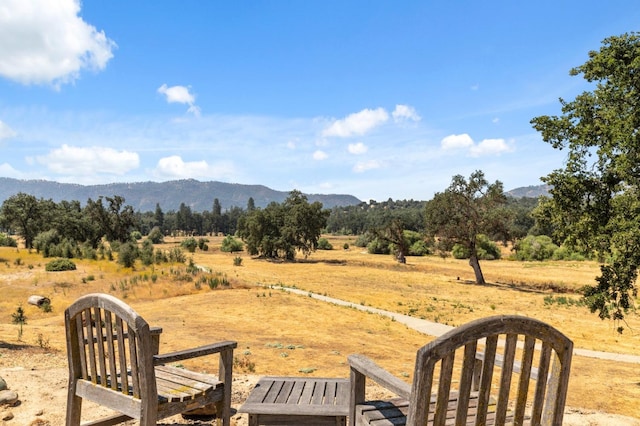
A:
[286,334]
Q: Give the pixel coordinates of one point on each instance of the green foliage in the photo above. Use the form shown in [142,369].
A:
[279,230]
[324,244]
[20,319]
[7,241]
[485,248]
[156,236]
[127,254]
[237,261]
[594,202]
[532,247]
[146,252]
[378,246]
[231,244]
[466,209]
[202,244]
[346,246]
[58,265]
[189,244]
[136,235]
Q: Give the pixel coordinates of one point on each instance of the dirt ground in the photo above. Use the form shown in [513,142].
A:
[40,379]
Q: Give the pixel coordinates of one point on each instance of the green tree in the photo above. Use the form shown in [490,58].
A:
[22,212]
[595,198]
[20,319]
[465,210]
[279,230]
[231,245]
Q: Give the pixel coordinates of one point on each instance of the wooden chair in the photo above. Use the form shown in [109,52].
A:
[467,357]
[114,361]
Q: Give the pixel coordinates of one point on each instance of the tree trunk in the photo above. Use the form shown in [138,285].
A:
[475,264]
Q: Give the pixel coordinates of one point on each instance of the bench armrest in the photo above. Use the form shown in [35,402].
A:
[194,353]
[362,366]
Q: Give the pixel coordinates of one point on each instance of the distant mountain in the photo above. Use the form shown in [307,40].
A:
[533,191]
[143,196]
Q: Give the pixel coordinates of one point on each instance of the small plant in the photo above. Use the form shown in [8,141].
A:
[237,261]
[43,342]
[58,265]
[20,319]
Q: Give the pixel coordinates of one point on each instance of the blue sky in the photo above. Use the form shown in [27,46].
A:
[377,99]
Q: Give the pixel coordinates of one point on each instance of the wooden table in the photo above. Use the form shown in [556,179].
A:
[298,401]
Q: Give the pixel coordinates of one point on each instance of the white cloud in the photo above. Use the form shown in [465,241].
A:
[174,167]
[357,123]
[404,113]
[7,171]
[87,161]
[363,166]
[46,42]
[490,147]
[180,95]
[456,142]
[357,148]
[5,131]
[320,155]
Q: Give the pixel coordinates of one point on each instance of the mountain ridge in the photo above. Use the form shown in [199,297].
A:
[143,196]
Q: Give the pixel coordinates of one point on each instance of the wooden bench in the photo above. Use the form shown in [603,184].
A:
[298,401]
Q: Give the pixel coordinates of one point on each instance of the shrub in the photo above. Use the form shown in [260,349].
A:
[58,265]
[127,254]
[7,241]
[378,246]
[346,246]
[231,245]
[539,247]
[419,248]
[485,248]
[136,235]
[190,244]
[146,253]
[237,261]
[202,244]
[324,244]
[155,235]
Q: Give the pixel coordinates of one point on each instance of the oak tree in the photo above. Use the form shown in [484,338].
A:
[595,197]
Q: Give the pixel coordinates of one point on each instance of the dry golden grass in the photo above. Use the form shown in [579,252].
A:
[284,334]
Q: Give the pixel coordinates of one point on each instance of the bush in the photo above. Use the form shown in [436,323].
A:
[346,246]
[539,247]
[156,236]
[7,241]
[231,245]
[419,248]
[202,244]
[324,244]
[485,248]
[190,245]
[127,254]
[146,253]
[136,235]
[237,261]
[58,265]
[378,246]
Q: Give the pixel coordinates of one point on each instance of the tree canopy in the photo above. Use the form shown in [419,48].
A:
[595,201]
[464,210]
[279,230]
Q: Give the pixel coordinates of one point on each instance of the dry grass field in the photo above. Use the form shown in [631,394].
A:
[279,333]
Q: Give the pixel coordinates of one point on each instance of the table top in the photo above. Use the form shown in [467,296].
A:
[312,396]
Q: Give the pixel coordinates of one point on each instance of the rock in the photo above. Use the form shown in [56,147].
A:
[6,416]
[38,300]
[8,397]
[3,384]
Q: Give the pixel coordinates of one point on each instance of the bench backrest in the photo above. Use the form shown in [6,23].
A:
[110,345]
[518,346]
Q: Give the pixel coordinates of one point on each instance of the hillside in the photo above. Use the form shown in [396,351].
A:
[143,196]
[533,191]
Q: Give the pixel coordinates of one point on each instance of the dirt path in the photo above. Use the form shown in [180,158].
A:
[436,329]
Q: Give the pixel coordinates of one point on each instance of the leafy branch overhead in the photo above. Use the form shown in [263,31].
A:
[595,201]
